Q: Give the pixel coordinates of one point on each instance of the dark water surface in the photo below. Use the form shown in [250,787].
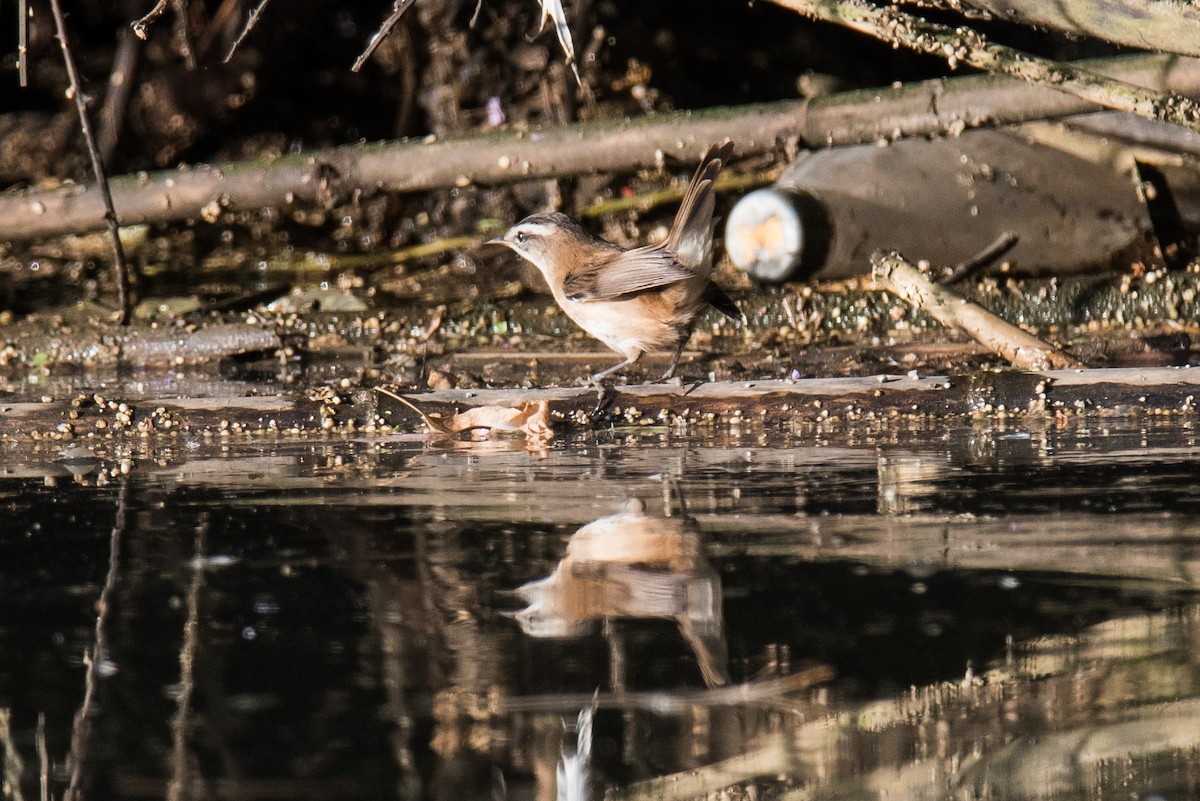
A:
[973,611]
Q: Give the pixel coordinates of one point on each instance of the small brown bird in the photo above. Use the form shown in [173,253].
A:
[640,300]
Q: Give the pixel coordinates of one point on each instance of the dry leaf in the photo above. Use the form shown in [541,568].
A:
[552,10]
[532,419]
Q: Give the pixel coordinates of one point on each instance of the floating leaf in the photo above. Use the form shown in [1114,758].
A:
[532,418]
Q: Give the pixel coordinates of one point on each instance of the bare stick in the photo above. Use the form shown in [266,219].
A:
[116,99]
[182,39]
[23,42]
[251,21]
[1004,243]
[216,25]
[898,276]
[81,727]
[139,26]
[326,176]
[110,213]
[965,45]
[398,9]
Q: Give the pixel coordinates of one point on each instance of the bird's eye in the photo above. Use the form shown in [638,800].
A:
[521,237]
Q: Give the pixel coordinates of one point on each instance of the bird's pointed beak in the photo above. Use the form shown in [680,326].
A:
[497,241]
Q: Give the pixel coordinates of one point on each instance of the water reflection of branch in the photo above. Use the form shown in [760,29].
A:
[80,727]
[43,759]
[775,693]
[768,756]
[13,766]
[1095,714]
[187,658]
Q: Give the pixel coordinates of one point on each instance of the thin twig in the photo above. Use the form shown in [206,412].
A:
[251,21]
[182,39]
[116,99]
[110,216]
[216,25]
[963,45]
[81,726]
[398,9]
[1004,243]
[139,25]
[23,42]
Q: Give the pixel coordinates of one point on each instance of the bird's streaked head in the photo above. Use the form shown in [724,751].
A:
[551,241]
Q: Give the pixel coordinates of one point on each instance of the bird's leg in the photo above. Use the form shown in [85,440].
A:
[667,376]
[616,368]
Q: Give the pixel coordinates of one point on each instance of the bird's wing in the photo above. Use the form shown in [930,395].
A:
[691,233]
[620,274]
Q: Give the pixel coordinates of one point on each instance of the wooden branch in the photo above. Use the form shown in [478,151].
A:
[1144,24]
[110,214]
[966,46]
[140,25]
[398,9]
[251,21]
[330,176]
[898,276]
[23,43]
[182,39]
[984,258]
[116,98]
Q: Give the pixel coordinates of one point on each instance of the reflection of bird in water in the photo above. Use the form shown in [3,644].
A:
[633,565]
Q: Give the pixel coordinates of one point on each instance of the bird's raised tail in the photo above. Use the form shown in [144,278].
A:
[691,234]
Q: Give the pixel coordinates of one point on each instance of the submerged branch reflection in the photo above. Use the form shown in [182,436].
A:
[98,659]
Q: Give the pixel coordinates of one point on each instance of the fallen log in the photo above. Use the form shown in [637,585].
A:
[1144,24]
[963,45]
[329,177]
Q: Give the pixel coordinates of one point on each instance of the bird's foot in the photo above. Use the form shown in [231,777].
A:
[604,399]
[596,382]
